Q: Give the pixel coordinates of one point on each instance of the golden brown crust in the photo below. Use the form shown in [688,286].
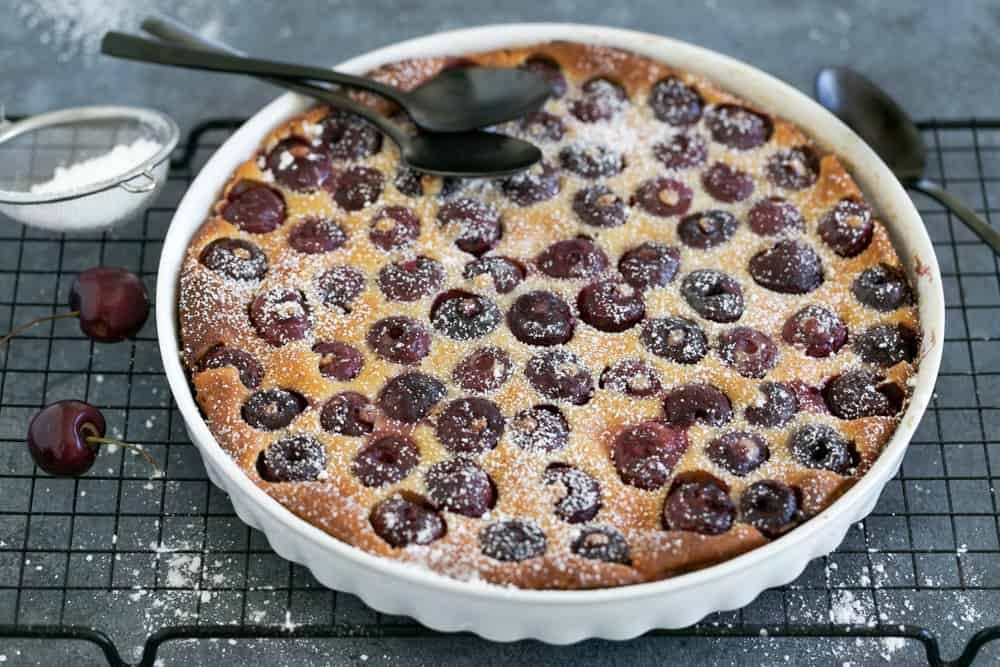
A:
[213,311]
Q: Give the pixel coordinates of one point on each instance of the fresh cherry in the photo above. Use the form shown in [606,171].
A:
[63,439]
[110,302]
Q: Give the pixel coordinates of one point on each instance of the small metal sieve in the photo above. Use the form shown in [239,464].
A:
[31,149]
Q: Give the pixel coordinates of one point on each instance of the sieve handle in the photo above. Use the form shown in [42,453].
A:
[148,184]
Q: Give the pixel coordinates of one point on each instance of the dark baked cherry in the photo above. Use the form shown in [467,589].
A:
[738,127]
[809,398]
[450,185]
[408,181]
[560,375]
[470,425]
[298,167]
[512,540]
[581,498]
[683,151]
[476,224]
[273,409]
[254,207]
[649,265]
[533,185]
[542,126]
[601,100]
[699,503]
[751,352]
[793,168]
[394,227]
[462,487]
[663,197]
[339,286]
[316,235]
[847,228]
[463,315]
[386,460]
[690,403]
[882,287]
[887,344]
[611,306]
[738,452]
[300,458]
[402,521]
[820,446]
[591,160]
[706,229]
[541,318]
[339,361]
[645,454]
[400,339]
[485,369]
[861,393]
[632,377]
[572,258]
[770,506]
[348,413]
[219,356]
[675,102]
[541,428]
[235,258]
[789,267]
[815,330]
[602,543]
[111,304]
[713,295]
[549,70]
[598,206]
[726,183]
[777,408]
[409,397]
[280,316]
[346,136]
[505,273]
[675,338]
[411,279]
[358,187]
[774,215]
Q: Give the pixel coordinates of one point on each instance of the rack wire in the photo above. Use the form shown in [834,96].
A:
[119,569]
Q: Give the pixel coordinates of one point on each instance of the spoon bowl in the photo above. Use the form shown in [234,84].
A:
[469,154]
[463,98]
[889,130]
[881,122]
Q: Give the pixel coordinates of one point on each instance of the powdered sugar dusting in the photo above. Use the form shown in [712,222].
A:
[582,416]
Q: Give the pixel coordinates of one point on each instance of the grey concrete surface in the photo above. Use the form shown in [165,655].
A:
[939,58]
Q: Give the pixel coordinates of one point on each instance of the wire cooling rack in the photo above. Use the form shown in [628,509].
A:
[117,568]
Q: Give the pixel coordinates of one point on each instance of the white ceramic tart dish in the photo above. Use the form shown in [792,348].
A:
[507,613]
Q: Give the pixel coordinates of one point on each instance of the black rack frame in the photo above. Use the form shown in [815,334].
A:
[140,240]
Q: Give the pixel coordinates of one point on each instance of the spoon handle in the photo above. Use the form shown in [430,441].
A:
[131,47]
[177,33]
[985,231]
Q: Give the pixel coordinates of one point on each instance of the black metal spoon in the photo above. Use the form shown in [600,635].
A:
[869,111]
[457,100]
[461,154]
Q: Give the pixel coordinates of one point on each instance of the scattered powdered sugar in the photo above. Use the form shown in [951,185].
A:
[116,162]
[846,609]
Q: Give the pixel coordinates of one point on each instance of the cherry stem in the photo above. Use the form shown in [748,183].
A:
[38,320]
[135,448]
